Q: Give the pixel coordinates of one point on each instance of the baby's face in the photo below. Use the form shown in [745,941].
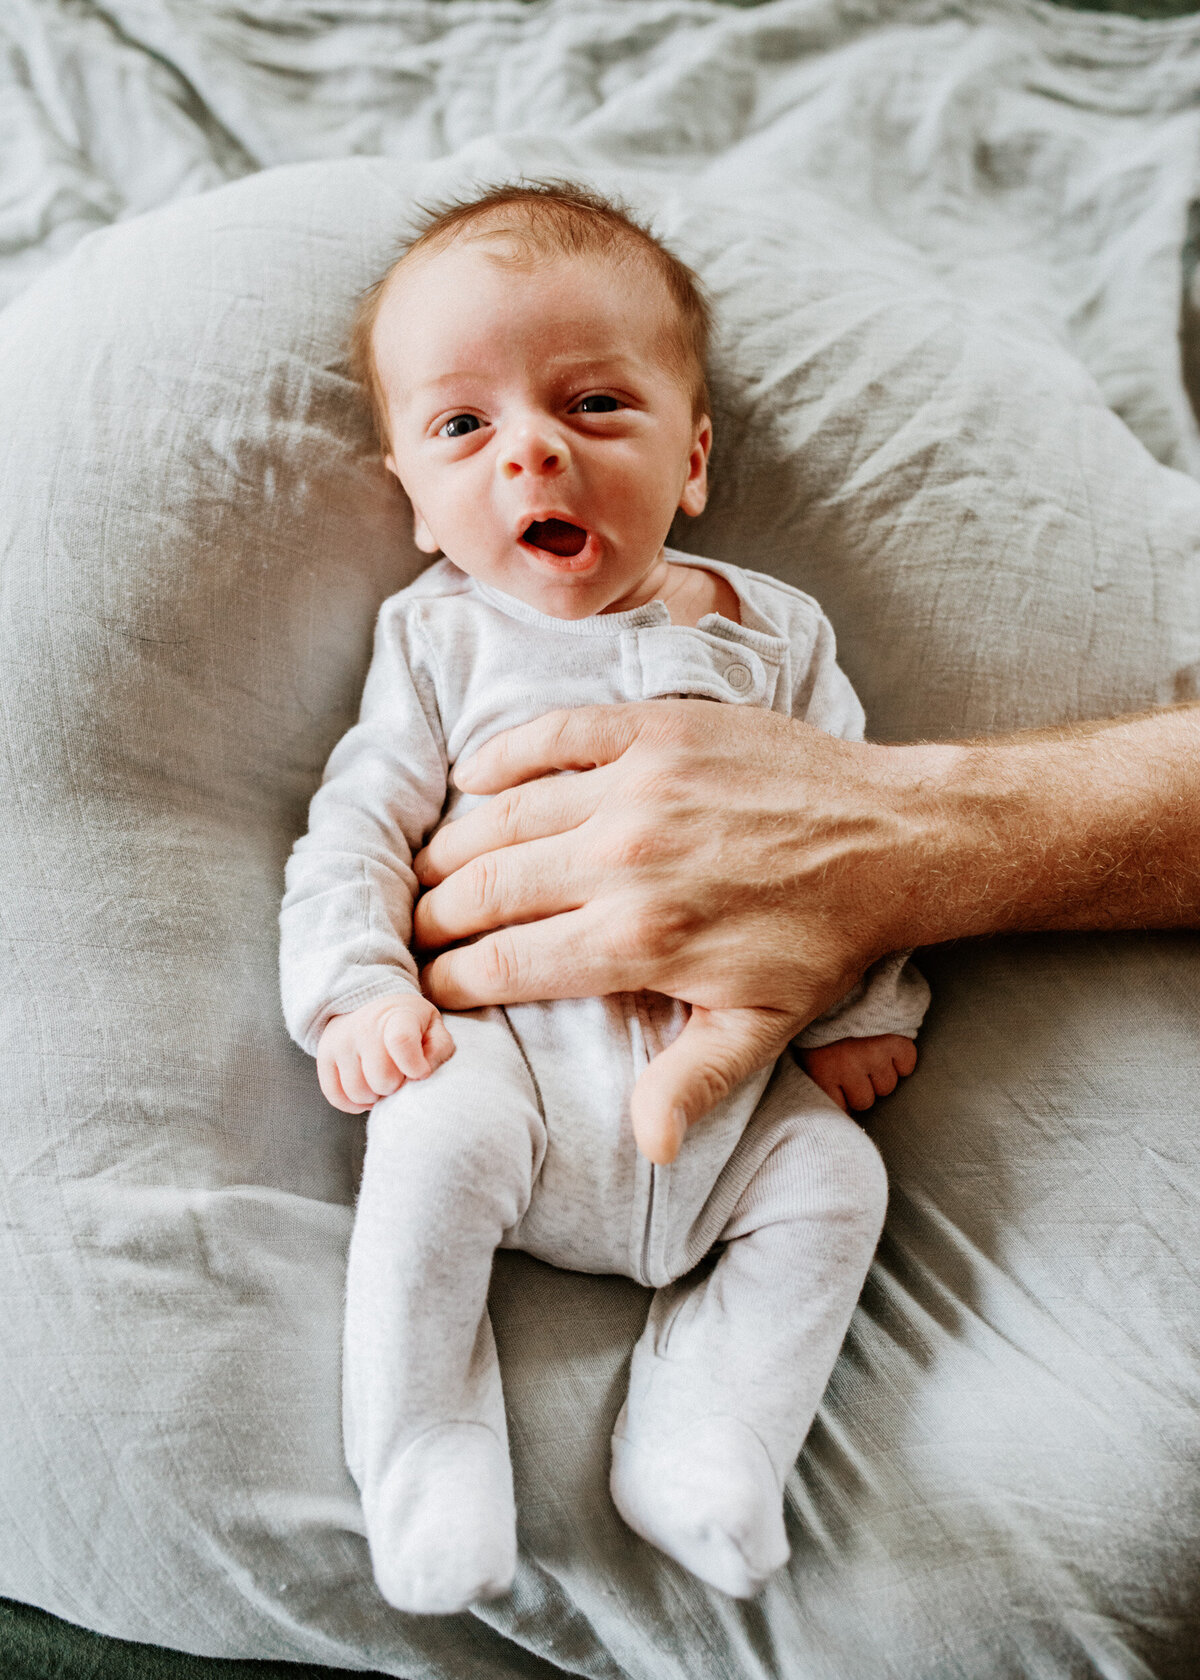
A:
[544,440]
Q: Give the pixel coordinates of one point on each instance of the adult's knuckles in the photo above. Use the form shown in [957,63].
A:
[632,844]
[708,1085]
[659,780]
[652,930]
[500,966]
[566,735]
[482,886]
[503,816]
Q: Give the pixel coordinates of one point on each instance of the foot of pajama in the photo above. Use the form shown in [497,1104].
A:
[727,1376]
[709,1498]
[442,1525]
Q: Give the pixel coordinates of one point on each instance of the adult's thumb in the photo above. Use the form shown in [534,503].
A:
[716,1050]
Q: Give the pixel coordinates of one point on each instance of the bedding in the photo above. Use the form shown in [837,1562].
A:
[945,246]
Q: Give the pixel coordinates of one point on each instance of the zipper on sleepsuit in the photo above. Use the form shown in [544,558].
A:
[646,1230]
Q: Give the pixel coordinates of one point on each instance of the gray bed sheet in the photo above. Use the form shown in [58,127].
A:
[946,243]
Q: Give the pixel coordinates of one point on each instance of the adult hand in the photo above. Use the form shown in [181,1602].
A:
[723,855]
[744,862]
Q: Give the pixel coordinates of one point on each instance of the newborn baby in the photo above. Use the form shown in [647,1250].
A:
[535,362]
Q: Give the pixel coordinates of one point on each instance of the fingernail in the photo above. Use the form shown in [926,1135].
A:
[676,1129]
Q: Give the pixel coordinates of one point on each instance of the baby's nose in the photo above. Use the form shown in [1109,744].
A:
[534,450]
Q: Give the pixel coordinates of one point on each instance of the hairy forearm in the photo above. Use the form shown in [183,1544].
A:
[1086,827]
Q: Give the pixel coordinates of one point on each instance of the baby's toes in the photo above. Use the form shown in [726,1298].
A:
[860,1092]
[904,1058]
[885,1079]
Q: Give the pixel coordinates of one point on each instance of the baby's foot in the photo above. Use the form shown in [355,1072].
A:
[442,1527]
[708,1497]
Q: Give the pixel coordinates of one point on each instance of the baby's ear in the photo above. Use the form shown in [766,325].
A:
[422,535]
[695,486]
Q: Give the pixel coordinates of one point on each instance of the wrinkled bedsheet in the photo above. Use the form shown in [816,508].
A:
[1042,161]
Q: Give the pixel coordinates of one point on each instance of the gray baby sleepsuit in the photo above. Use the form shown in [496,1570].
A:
[523,1138]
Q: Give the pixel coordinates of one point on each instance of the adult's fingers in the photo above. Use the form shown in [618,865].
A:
[578,739]
[563,956]
[716,1050]
[554,805]
[502,889]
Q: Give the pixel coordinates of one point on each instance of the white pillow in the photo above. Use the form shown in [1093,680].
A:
[196,539]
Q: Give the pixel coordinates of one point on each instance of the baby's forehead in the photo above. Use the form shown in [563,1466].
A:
[508,252]
[445,300]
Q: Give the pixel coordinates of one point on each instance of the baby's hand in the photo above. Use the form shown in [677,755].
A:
[854,1071]
[370,1052]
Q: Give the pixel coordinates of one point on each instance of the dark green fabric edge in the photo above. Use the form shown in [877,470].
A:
[1154,10]
[37,1646]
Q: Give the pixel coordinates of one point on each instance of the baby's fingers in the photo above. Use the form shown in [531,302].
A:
[357,1093]
[331,1086]
[403,1039]
[439,1046]
[380,1072]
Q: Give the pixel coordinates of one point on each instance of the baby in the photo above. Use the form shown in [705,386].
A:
[535,361]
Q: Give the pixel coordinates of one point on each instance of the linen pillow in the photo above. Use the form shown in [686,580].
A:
[994,547]
[197,537]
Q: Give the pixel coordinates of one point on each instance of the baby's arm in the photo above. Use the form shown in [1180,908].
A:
[370,1052]
[346,920]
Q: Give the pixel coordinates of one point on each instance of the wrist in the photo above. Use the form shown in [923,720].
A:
[1083,827]
[985,831]
[937,814]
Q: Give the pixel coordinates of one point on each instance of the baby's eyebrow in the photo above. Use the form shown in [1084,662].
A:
[564,367]
[565,370]
[442,379]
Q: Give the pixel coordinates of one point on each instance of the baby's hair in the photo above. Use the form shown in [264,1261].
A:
[544,218]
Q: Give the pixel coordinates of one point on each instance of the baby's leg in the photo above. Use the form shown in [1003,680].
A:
[730,1370]
[449,1167]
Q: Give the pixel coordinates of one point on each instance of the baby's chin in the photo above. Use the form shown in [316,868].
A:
[570,586]
[577,557]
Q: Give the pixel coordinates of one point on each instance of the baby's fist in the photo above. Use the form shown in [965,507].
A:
[854,1071]
[370,1052]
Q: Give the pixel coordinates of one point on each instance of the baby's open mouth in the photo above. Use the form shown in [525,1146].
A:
[556,536]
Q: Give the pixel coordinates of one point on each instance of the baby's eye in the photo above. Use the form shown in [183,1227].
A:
[598,403]
[459,425]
